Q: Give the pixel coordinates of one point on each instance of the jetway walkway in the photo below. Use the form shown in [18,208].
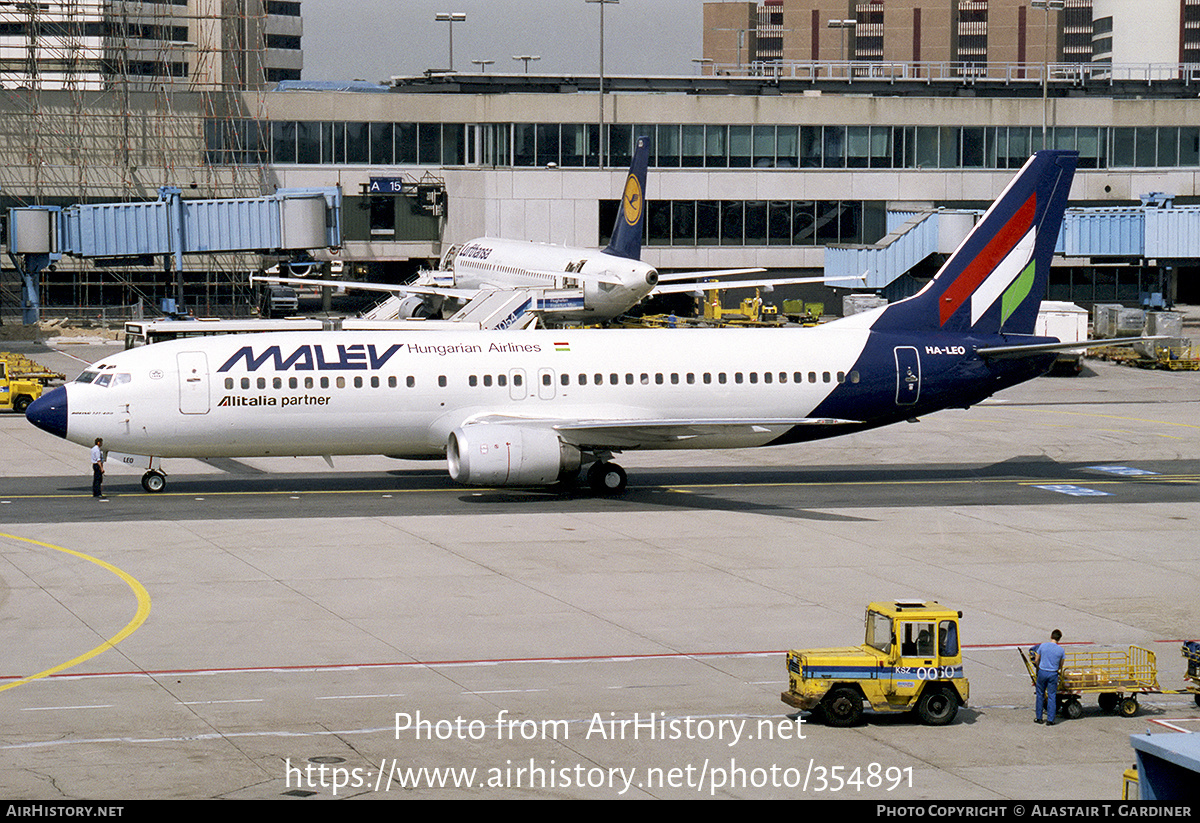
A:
[288,220]
[1155,230]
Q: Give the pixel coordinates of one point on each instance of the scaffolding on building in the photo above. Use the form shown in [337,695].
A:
[108,100]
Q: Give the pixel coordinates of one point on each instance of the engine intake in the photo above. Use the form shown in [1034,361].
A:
[501,455]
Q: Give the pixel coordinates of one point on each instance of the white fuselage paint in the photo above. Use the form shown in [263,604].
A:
[610,285]
[403,393]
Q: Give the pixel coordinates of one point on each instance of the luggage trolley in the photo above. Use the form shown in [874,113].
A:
[1116,677]
[1191,653]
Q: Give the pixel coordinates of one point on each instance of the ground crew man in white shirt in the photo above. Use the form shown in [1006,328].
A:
[98,468]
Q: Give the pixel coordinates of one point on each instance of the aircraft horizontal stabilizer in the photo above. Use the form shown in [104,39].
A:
[1034,349]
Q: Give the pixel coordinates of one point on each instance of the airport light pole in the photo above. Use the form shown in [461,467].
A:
[843,25]
[483,64]
[602,4]
[527,58]
[451,17]
[1047,6]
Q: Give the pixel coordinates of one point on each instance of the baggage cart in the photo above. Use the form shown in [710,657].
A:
[1191,653]
[1115,677]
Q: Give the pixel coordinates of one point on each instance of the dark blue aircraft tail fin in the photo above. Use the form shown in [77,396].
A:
[631,215]
[996,279]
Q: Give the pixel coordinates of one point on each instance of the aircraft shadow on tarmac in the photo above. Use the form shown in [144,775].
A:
[802,493]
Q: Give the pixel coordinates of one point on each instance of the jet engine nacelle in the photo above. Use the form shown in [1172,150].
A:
[415,306]
[500,455]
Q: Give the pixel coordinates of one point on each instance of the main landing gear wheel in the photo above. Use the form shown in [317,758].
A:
[154,481]
[607,478]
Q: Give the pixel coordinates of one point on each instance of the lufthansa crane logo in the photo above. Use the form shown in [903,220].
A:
[631,200]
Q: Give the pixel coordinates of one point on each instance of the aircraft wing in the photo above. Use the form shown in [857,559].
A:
[658,433]
[389,288]
[767,283]
[692,275]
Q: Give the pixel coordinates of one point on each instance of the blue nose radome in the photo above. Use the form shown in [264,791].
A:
[49,412]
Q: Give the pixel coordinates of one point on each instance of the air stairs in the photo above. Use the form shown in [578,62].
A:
[499,309]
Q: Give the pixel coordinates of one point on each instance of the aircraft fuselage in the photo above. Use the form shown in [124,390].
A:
[607,285]
[296,393]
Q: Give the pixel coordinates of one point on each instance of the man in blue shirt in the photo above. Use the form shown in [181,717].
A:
[1048,659]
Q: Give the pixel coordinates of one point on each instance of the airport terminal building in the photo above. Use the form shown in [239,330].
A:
[744,171]
[767,168]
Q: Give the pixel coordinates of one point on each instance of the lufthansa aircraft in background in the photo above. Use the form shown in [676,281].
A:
[531,408]
[556,284]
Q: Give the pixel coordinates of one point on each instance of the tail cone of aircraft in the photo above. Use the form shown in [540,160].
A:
[49,412]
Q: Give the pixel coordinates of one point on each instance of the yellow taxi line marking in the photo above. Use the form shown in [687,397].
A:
[139,591]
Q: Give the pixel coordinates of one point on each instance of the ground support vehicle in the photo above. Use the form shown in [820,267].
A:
[911,660]
[1115,677]
[1191,653]
[22,381]
[1178,358]
[1067,322]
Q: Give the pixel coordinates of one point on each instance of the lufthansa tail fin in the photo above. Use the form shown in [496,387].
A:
[631,215]
[996,279]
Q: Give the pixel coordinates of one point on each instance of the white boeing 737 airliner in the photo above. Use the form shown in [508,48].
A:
[528,408]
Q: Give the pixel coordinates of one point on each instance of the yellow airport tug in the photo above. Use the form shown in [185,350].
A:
[912,659]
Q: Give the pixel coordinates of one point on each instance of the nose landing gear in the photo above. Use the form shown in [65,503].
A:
[154,481]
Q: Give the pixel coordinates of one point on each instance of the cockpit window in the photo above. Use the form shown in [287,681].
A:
[106,379]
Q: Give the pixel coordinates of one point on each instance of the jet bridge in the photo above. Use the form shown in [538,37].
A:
[289,220]
[1155,230]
